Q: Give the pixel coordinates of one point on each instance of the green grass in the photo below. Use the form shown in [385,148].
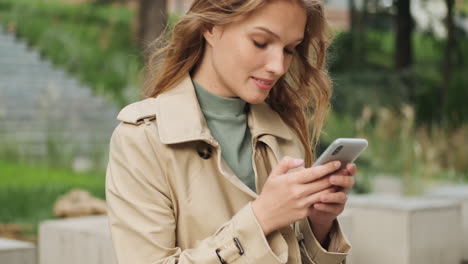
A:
[28,193]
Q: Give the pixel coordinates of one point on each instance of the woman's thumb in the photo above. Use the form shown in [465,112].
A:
[286,164]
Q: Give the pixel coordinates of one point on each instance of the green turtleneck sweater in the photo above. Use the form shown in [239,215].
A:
[227,121]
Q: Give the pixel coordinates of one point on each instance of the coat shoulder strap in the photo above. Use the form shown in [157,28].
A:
[136,113]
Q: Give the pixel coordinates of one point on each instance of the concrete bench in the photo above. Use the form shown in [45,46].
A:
[76,241]
[393,229]
[346,223]
[385,184]
[458,193]
[17,252]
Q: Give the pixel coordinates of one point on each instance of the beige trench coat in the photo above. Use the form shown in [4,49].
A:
[173,199]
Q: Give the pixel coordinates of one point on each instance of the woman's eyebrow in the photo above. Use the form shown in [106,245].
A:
[273,33]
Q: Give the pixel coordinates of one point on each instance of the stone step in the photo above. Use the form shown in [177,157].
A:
[15,52]
[12,45]
[16,49]
[23,62]
[65,106]
[95,128]
[51,96]
[26,60]
[27,83]
[49,103]
[48,92]
[88,129]
[39,151]
[33,69]
[40,102]
[82,143]
[38,132]
[36,75]
[14,56]
[42,69]
[84,96]
[6,36]
[39,146]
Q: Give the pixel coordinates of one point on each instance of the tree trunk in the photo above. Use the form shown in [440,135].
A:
[152,21]
[362,35]
[448,58]
[352,15]
[404,31]
[353,28]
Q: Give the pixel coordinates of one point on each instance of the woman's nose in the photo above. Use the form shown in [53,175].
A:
[275,63]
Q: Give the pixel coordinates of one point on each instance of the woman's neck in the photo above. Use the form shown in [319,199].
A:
[205,75]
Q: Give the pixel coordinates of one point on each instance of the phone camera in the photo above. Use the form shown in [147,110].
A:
[337,150]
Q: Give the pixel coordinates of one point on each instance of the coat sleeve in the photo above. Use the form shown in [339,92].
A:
[143,222]
[311,250]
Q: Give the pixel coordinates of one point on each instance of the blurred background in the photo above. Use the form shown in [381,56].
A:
[400,72]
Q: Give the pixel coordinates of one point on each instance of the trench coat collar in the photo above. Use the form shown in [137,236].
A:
[180,118]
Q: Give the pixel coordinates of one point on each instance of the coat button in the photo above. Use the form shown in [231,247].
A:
[204,152]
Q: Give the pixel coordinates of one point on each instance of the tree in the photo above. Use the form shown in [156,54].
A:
[358,29]
[450,47]
[352,15]
[152,19]
[404,32]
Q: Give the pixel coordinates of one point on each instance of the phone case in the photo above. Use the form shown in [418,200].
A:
[345,150]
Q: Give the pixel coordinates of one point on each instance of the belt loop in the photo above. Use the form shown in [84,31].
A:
[219,257]
[239,246]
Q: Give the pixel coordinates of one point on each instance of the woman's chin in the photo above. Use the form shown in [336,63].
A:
[255,99]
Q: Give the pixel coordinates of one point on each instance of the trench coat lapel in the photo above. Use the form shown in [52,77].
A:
[180,118]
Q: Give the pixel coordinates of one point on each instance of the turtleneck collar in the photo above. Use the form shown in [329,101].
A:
[212,103]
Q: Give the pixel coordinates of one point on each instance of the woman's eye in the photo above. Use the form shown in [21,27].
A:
[259,45]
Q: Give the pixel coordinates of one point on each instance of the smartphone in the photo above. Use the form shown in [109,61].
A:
[345,150]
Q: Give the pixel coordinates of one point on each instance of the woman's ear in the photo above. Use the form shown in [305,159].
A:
[211,33]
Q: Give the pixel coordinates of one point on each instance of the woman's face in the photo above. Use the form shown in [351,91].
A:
[247,57]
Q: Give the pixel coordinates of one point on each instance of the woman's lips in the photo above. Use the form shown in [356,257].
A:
[263,84]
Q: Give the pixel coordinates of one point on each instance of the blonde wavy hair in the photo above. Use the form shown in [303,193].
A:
[301,96]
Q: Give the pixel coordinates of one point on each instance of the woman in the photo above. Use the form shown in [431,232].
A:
[202,171]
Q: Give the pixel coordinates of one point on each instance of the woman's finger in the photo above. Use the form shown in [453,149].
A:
[335,209]
[343,171]
[314,173]
[315,197]
[344,181]
[334,198]
[286,164]
[316,186]
[351,168]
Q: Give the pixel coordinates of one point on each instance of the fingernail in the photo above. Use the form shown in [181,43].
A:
[337,164]
[332,179]
[298,162]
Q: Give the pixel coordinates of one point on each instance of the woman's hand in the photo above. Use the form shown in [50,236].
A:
[331,202]
[288,197]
